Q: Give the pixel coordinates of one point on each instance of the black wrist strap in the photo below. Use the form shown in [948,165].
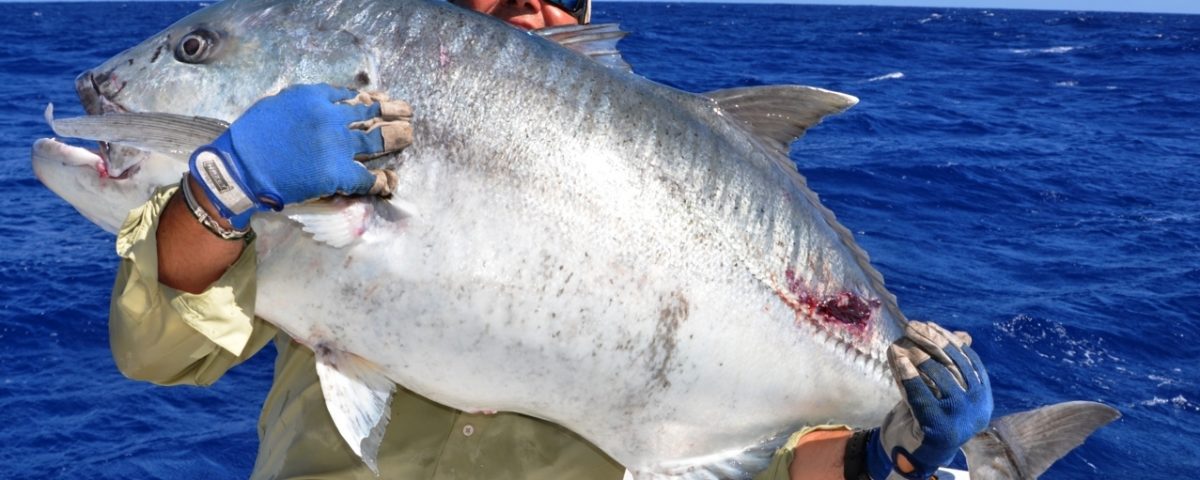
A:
[854,464]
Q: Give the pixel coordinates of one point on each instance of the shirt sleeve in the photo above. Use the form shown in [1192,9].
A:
[170,337]
[781,463]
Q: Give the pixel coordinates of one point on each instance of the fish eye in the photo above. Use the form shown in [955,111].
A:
[196,47]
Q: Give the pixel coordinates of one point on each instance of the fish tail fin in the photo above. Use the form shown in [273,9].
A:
[1023,445]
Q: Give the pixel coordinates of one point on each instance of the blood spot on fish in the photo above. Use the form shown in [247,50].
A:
[845,309]
[363,79]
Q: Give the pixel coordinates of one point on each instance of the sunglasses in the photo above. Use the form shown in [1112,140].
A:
[577,8]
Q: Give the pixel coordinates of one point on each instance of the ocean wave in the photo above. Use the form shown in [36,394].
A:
[1179,401]
[890,76]
[1051,50]
[1052,340]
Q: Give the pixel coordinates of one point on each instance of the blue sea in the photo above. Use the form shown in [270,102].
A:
[1030,177]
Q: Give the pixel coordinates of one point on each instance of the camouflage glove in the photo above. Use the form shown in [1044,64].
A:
[946,400]
[298,145]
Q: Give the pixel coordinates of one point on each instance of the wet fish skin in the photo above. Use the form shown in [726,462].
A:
[567,241]
[617,252]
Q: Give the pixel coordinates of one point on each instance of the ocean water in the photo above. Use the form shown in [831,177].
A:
[1030,177]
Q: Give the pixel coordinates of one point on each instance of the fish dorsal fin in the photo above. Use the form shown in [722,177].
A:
[597,41]
[775,116]
[780,114]
[358,396]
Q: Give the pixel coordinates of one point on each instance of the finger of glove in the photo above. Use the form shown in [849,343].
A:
[943,380]
[915,354]
[980,370]
[963,366]
[935,340]
[395,110]
[368,143]
[367,98]
[389,110]
[916,391]
[356,180]
[386,182]
[332,93]
[964,337]
[900,357]
[397,135]
[319,91]
[905,349]
[349,114]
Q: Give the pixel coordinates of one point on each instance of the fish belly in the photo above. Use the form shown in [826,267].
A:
[615,323]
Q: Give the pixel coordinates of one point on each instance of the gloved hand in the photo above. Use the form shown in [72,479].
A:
[298,145]
[946,400]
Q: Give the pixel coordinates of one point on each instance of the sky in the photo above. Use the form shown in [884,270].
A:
[1155,6]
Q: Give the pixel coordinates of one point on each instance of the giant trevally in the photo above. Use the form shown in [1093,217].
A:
[567,240]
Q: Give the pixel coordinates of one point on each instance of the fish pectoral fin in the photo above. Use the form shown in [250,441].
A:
[169,134]
[597,41]
[358,396]
[1023,445]
[339,221]
[780,114]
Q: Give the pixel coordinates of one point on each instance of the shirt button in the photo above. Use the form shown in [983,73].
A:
[468,430]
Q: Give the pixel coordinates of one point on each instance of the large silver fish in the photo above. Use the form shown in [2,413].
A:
[570,241]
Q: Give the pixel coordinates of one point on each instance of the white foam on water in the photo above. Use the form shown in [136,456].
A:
[1050,340]
[1068,83]
[890,76]
[1052,50]
[1178,401]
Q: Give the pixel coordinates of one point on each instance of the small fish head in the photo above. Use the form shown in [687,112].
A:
[84,179]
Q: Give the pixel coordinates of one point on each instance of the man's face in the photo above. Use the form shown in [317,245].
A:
[525,14]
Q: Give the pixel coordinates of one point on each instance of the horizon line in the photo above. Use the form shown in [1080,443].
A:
[848,3]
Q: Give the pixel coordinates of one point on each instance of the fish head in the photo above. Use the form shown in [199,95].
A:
[214,63]
[218,61]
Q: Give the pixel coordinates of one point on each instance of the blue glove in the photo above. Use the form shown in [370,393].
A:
[288,148]
[946,400]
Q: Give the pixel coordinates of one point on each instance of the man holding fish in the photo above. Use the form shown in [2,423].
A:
[187,277]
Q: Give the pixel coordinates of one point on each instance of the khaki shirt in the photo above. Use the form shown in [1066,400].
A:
[169,337]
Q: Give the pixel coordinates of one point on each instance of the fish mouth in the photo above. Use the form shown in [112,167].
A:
[96,93]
